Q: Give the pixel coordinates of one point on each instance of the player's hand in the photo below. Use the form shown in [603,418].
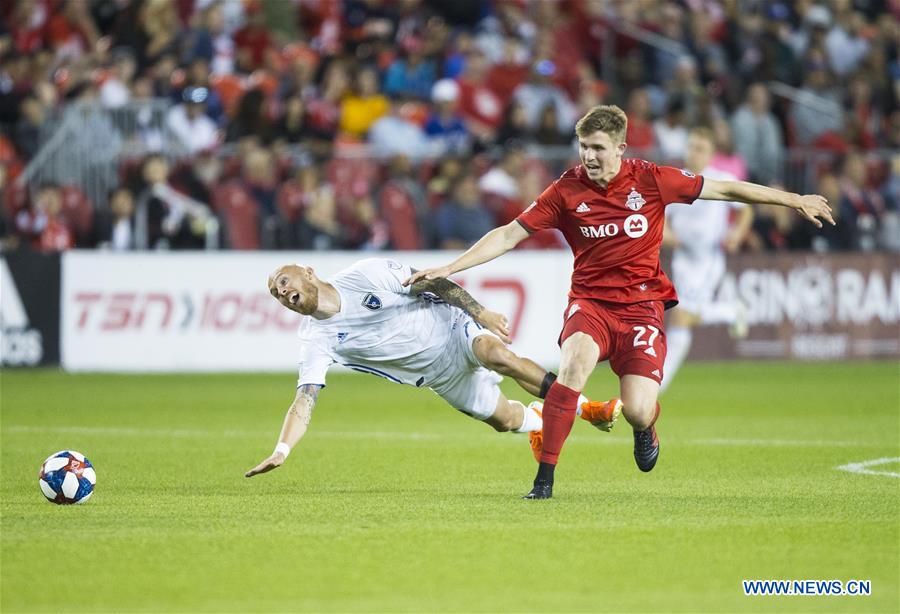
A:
[428,274]
[812,206]
[496,323]
[273,462]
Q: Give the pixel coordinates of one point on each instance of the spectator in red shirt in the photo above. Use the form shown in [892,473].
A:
[640,127]
[43,225]
[511,71]
[72,31]
[404,208]
[481,108]
[252,42]
[27,25]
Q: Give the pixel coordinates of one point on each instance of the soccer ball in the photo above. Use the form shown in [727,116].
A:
[67,477]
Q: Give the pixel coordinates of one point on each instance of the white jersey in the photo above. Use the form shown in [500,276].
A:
[381,328]
[702,227]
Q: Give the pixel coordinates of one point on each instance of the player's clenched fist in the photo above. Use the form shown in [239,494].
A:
[496,323]
[273,462]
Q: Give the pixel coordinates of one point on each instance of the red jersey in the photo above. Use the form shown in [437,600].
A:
[615,233]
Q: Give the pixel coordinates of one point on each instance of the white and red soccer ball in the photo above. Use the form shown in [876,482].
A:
[67,477]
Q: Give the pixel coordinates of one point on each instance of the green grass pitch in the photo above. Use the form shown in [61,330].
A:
[395,502]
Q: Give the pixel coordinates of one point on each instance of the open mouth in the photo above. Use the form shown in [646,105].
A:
[293,298]
[592,168]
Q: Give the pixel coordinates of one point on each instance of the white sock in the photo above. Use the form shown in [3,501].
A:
[530,421]
[581,401]
[678,343]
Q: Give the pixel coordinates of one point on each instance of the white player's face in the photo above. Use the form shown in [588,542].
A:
[293,287]
[600,155]
[699,153]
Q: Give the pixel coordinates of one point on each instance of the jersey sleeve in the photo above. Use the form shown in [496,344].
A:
[313,364]
[386,274]
[678,186]
[544,212]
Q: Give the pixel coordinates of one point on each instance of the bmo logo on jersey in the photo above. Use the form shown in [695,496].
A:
[634,226]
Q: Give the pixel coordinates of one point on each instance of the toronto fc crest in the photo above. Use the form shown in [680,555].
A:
[634,201]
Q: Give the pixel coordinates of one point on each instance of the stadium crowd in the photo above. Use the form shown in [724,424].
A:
[408,124]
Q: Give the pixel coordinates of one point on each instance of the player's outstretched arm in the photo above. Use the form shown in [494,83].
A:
[292,430]
[454,294]
[495,243]
[810,206]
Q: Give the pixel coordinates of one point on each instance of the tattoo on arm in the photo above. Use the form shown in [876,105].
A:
[308,393]
[451,293]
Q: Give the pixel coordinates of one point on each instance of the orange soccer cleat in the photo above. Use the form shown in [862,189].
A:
[536,438]
[602,415]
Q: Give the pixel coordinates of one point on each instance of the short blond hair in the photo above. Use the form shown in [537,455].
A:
[606,118]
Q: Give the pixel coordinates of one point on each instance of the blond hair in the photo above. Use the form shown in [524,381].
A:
[606,118]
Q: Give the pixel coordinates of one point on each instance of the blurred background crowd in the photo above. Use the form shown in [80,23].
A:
[417,124]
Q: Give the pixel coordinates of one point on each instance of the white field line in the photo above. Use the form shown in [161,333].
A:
[863,467]
[594,439]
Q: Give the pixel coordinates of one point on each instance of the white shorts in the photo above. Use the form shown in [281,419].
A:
[696,277]
[464,383]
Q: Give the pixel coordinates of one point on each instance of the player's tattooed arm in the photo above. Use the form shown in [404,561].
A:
[454,294]
[304,401]
[450,293]
[293,429]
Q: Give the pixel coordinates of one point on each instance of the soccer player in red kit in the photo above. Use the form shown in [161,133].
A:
[611,212]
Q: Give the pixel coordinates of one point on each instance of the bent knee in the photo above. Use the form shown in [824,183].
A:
[640,413]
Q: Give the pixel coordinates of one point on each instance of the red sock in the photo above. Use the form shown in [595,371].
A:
[559,415]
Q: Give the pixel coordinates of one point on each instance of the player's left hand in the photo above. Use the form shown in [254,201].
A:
[496,323]
[273,462]
[812,206]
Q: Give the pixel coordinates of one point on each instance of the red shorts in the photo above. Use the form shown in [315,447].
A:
[630,336]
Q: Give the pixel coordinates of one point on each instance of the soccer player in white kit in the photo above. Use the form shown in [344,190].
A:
[700,234]
[432,334]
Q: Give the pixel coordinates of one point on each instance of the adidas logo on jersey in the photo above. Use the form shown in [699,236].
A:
[656,373]
[582,208]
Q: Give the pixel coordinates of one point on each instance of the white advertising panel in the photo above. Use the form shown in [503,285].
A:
[212,311]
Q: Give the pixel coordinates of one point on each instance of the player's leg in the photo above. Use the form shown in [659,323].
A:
[639,400]
[475,391]
[695,276]
[679,335]
[533,378]
[494,355]
[637,357]
[578,358]
[641,409]
[512,415]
